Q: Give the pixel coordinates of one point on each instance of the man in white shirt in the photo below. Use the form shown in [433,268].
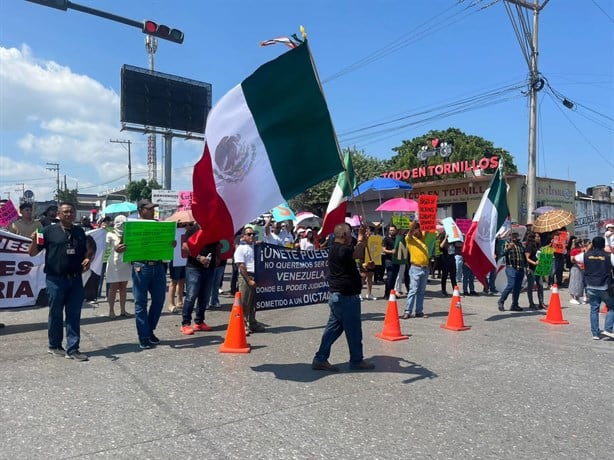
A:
[244,258]
[271,232]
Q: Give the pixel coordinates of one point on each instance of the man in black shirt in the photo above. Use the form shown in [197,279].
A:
[67,257]
[392,269]
[344,283]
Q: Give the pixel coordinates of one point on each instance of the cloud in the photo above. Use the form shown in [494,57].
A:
[50,114]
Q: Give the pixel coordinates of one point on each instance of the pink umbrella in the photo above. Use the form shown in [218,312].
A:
[398,205]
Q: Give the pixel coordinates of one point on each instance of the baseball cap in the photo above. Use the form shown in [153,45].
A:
[145,203]
[609,226]
[23,206]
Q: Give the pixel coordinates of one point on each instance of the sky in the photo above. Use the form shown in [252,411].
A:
[431,64]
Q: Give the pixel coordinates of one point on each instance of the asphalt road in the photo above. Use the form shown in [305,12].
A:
[510,387]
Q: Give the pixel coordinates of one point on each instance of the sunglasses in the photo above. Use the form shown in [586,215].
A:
[249,234]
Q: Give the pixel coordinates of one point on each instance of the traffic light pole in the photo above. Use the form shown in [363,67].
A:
[147,27]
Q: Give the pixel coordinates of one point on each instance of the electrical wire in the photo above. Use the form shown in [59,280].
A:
[586,138]
[603,11]
[390,127]
[420,32]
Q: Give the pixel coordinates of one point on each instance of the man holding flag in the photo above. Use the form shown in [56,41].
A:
[492,214]
[255,134]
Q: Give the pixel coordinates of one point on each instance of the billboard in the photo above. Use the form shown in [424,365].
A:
[161,100]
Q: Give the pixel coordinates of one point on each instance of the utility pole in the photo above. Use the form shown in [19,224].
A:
[535,85]
[124,143]
[151,46]
[56,167]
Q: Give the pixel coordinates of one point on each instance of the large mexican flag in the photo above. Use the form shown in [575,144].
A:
[267,140]
[479,246]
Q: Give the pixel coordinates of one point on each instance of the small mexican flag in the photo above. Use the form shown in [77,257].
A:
[479,247]
[338,204]
[268,139]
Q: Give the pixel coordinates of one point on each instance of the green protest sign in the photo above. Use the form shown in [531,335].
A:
[544,261]
[148,240]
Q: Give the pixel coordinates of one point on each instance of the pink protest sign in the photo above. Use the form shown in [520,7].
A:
[464,225]
[8,213]
[185,200]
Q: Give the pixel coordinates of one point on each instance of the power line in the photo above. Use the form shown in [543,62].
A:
[420,32]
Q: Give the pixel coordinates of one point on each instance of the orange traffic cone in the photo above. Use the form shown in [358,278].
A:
[236,340]
[392,326]
[455,316]
[554,315]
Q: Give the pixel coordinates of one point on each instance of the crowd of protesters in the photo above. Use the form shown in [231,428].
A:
[406,259]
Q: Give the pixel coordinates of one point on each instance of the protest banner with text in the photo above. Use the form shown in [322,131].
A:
[289,277]
[149,240]
[427,211]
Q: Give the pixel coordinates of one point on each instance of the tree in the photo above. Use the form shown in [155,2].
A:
[138,190]
[465,147]
[315,199]
[70,196]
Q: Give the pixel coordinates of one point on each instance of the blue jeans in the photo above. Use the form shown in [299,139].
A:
[344,316]
[218,275]
[468,279]
[492,276]
[460,270]
[65,293]
[198,284]
[148,279]
[595,297]
[418,276]
[514,285]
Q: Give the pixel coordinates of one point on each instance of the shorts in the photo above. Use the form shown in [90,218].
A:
[176,273]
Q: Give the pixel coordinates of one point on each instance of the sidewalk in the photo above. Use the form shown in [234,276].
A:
[511,387]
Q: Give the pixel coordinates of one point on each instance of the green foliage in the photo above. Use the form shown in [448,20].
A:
[466,147]
[137,190]
[69,196]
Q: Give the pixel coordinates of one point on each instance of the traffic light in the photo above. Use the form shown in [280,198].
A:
[162,31]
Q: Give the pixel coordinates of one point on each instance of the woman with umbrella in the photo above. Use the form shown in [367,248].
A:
[118,272]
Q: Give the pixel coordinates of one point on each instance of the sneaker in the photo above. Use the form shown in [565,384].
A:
[516,309]
[421,315]
[500,306]
[371,297]
[153,339]
[256,328]
[187,330]
[77,355]
[473,293]
[145,345]
[609,334]
[56,351]
[574,302]
[406,315]
[323,366]
[362,366]
[217,305]
[201,327]
[584,300]
[596,337]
